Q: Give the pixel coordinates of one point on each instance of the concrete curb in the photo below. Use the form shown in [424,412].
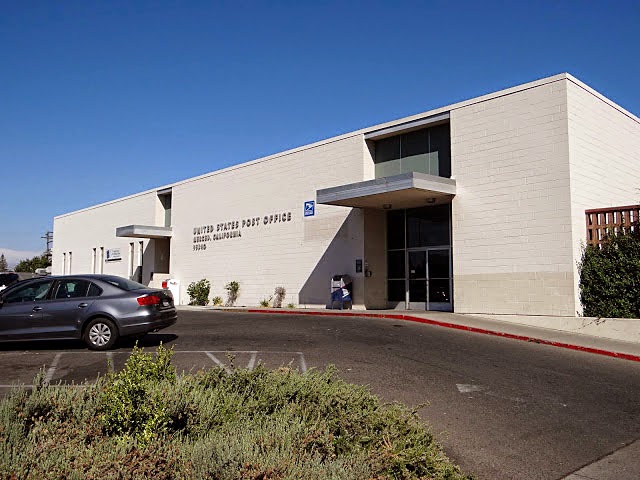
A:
[410,318]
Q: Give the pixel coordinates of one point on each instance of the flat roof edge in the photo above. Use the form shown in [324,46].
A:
[601,97]
[387,184]
[364,131]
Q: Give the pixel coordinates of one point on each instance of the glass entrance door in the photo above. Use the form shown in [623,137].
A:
[419,272]
[428,283]
[417,279]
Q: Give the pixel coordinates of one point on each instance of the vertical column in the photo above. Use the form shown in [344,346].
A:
[131,260]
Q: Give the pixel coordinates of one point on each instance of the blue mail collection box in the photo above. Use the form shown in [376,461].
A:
[341,291]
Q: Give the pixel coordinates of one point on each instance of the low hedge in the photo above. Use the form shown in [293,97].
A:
[146,421]
[610,277]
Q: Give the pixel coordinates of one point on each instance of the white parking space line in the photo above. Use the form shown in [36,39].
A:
[254,357]
[110,366]
[218,362]
[303,363]
[52,368]
[252,360]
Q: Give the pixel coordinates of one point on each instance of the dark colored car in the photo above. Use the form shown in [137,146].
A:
[9,278]
[95,308]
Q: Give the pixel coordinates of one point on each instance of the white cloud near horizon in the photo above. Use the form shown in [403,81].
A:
[14,256]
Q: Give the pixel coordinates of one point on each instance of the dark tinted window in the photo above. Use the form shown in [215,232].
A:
[427,150]
[395,229]
[440,145]
[387,149]
[428,227]
[415,143]
[31,292]
[396,290]
[94,290]
[71,289]
[395,264]
[122,283]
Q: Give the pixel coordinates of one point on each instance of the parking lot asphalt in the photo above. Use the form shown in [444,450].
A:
[501,408]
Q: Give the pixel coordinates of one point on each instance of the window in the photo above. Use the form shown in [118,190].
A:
[94,290]
[427,150]
[71,289]
[122,283]
[93,261]
[32,292]
[428,227]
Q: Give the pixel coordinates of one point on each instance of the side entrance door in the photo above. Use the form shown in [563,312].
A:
[429,283]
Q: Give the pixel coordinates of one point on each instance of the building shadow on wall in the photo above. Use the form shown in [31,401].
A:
[337,259]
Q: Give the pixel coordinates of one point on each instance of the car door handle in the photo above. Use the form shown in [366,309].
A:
[37,309]
[83,305]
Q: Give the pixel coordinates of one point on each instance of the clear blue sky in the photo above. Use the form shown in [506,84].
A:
[103,99]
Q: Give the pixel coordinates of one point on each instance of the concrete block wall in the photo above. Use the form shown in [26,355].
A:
[512,241]
[300,254]
[82,231]
[604,159]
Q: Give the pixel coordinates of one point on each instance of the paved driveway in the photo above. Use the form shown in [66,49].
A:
[501,408]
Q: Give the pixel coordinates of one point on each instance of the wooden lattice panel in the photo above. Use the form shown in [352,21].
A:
[601,221]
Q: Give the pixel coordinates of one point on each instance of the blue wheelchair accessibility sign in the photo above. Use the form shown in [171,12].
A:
[309,208]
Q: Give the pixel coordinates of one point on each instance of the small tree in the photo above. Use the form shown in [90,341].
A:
[278,296]
[4,266]
[233,290]
[30,265]
[199,292]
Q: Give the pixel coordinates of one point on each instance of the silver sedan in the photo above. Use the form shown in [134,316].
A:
[95,308]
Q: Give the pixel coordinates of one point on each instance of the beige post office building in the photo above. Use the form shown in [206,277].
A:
[476,207]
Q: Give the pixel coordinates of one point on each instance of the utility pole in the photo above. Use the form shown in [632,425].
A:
[48,236]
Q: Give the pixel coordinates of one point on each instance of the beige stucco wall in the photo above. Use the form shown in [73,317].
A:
[375,258]
[80,232]
[512,245]
[520,157]
[300,254]
[604,158]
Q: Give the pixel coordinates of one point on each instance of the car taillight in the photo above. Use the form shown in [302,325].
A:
[164,284]
[148,300]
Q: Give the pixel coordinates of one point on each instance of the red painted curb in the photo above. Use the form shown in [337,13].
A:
[409,318]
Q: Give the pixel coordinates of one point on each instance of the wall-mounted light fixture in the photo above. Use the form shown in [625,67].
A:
[386,206]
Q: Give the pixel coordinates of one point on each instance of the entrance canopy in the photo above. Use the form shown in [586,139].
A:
[144,231]
[407,190]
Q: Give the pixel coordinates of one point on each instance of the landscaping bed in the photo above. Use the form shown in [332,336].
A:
[145,421]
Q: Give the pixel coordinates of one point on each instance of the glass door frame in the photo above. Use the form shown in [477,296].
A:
[401,290]
[428,305]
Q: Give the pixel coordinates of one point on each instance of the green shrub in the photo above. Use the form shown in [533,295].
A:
[291,305]
[216,301]
[144,422]
[199,292]
[233,290]
[610,277]
[130,405]
[265,302]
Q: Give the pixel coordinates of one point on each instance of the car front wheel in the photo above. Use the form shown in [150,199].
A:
[100,334]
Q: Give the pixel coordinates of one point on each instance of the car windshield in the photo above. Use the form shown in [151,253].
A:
[122,283]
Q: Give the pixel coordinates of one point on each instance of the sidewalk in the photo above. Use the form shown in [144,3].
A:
[477,324]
